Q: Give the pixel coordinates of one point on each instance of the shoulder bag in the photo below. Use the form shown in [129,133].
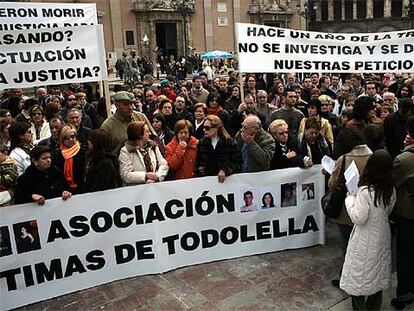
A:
[333,200]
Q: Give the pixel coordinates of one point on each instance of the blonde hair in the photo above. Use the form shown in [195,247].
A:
[216,122]
[325,98]
[275,124]
[67,130]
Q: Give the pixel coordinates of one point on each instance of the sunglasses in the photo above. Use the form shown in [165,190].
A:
[71,99]
[37,114]
[207,128]
[284,132]
[70,137]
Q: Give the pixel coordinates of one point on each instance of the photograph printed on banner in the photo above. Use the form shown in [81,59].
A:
[26,235]
[251,200]
[5,243]
[268,198]
[288,194]
[308,192]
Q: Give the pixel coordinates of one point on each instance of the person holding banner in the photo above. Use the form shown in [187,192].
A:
[41,180]
[140,160]
[217,152]
[70,158]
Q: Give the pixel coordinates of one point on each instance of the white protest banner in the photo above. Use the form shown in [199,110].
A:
[19,15]
[51,56]
[97,238]
[270,49]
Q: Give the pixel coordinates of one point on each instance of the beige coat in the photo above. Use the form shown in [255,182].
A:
[360,154]
[403,174]
[132,167]
[367,266]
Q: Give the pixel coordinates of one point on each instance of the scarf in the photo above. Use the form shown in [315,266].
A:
[146,156]
[68,154]
[214,111]
[27,147]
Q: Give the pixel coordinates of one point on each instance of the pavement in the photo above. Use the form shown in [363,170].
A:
[286,280]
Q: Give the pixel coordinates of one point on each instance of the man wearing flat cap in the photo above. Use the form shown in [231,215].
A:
[166,90]
[116,125]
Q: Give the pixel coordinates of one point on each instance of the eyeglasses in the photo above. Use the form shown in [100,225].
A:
[325,105]
[283,133]
[207,127]
[70,137]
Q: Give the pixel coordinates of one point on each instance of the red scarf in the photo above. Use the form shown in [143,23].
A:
[214,111]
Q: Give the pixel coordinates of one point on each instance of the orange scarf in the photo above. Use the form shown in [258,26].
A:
[68,154]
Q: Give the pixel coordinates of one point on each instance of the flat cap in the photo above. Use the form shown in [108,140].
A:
[123,96]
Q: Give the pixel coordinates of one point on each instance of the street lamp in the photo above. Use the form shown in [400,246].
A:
[186,8]
[307,12]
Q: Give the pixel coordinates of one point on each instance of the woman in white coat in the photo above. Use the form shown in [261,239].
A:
[367,267]
[140,160]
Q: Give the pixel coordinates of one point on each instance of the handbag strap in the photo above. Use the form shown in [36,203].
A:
[341,178]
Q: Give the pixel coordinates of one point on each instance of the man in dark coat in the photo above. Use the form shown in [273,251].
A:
[41,180]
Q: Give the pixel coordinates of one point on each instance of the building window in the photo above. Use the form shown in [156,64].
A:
[378,9]
[223,21]
[129,37]
[396,8]
[361,9]
[349,9]
[337,10]
[324,10]
[221,7]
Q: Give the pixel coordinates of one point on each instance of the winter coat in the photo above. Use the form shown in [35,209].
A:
[225,157]
[260,151]
[280,159]
[367,266]
[21,158]
[117,127]
[181,161]
[78,167]
[326,129]
[360,154]
[102,173]
[132,166]
[44,132]
[49,184]
[403,173]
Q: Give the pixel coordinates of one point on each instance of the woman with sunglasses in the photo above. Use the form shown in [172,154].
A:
[39,126]
[286,149]
[70,158]
[214,107]
[217,153]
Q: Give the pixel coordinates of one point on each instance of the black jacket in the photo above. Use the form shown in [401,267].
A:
[78,167]
[49,184]
[280,160]
[226,156]
[102,173]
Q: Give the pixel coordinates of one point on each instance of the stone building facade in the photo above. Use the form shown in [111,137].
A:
[361,16]
[181,27]
[162,27]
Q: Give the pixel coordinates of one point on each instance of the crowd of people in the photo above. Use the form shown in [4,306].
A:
[60,143]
